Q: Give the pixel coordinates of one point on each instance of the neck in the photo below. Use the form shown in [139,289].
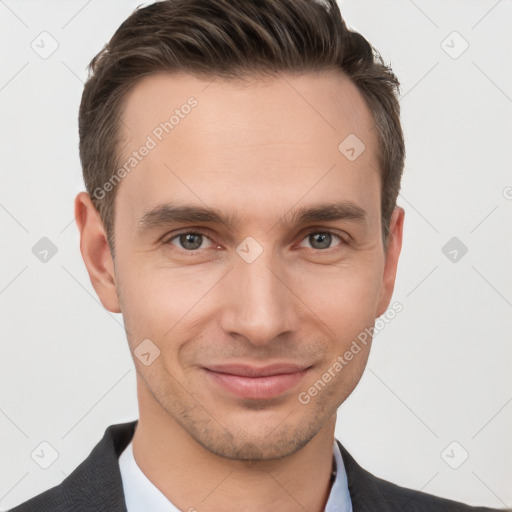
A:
[192,477]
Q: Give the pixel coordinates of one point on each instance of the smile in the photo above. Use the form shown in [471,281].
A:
[256,383]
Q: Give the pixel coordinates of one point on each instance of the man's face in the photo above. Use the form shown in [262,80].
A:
[262,287]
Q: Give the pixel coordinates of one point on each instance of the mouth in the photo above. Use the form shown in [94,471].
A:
[256,383]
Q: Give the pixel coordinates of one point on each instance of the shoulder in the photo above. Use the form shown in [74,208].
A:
[411,500]
[369,492]
[94,485]
[51,500]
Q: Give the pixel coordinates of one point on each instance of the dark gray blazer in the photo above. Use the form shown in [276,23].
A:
[96,485]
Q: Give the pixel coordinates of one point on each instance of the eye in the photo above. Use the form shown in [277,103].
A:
[189,240]
[321,240]
[192,241]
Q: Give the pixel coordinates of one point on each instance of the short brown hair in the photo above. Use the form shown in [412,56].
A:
[231,39]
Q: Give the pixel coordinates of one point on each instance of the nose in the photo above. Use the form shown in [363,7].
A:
[261,304]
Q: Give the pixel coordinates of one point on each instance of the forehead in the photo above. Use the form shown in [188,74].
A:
[232,142]
[329,102]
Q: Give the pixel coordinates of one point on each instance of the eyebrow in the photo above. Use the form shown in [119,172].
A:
[172,213]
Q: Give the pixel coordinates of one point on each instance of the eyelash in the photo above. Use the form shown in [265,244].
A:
[339,247]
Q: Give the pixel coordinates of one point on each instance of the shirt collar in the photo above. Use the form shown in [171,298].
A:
[141,495]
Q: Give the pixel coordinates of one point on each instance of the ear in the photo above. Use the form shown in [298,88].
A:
[396,226]
[96,251]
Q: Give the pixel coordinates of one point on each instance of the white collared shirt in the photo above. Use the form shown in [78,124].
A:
[142,495]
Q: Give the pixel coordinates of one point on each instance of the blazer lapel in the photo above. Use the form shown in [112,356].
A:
[364,488]
[96,483]
[100,486]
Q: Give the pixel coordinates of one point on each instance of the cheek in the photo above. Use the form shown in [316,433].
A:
[158,303]
[345,298]
[344,307]
[168,304]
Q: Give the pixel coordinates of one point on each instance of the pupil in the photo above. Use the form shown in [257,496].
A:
[187,240]
[323,238]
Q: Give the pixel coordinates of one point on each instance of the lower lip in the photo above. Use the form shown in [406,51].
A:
[257,388]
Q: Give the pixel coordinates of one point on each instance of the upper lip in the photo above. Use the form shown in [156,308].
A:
[244,370]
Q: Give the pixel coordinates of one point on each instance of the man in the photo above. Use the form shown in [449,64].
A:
[242,162]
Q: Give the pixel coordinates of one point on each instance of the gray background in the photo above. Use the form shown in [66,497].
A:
[439,372]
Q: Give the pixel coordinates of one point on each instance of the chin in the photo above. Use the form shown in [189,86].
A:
[256,443]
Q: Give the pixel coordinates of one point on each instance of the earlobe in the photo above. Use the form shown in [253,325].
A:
[396,226]
[96,252]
